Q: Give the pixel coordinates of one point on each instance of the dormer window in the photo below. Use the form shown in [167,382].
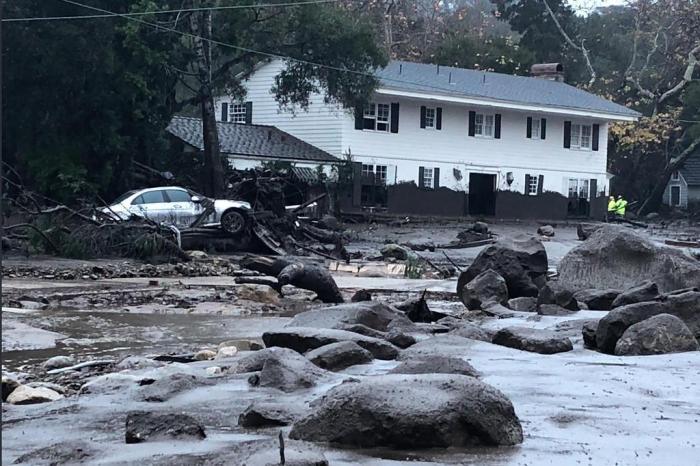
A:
[237,113]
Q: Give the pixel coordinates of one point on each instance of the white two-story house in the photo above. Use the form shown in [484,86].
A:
[466,130]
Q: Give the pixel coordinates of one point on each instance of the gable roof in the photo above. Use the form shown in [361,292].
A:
[691,169]
[461,82]
[259,141]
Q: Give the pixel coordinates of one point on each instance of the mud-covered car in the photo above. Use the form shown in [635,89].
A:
[180,207]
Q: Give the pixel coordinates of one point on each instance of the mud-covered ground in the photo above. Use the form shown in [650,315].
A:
[579,407]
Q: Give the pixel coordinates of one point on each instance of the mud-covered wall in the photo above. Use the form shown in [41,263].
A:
[407,198]
[548,205]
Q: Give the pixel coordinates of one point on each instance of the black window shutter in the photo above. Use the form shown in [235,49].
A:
[540,182]
[596,135]
[527,184]
[249,113]
[438,118]
[543,128]
[567,135]
[422,116]
[224,111]
[359,112]
[357,183]
[528,131]
[593,188]
[472,122]
[497,126]
[436,177]
[395,117]
[420,177]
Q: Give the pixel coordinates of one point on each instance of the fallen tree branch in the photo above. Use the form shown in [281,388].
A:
[38,230]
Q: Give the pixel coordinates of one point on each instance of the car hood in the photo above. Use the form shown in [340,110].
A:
[224,204]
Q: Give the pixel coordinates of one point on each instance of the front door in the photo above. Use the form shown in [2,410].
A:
[482,194]
[675,196]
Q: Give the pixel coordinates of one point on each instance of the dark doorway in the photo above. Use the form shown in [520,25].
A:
[482,194]
[675,196]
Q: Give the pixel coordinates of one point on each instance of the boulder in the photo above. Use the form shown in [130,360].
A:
[611,327]
[137,362]
[396,251]
[64,452]
[255,361]
[287,374]
[360,296]
[440,345]
[645,291]
[372,314]
[311,277]
[9,383]
[533,340]
[50,385]
[169,386]
[616,257]
[554,293]
[26,395]
[257,293]
[242,345]
[268,414]
[226,352]
[553,310]
[417,310]
[497,310]
[597,300]
[412,411]
[480,227]
[59,362]
[521,261]
[523,304]
[546,230]
[142,426]
[363,330]
[400,339]
[337,356]
[303,339]
[213,371]
[110,383]
[435,365]
[471,331]
[205,355]
[486,287]
[588,332]
[659,334]
[584,230]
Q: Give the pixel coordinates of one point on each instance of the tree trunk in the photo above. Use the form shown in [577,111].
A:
[653,202]
[213,184]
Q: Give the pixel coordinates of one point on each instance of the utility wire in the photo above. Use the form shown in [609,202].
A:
[159,12]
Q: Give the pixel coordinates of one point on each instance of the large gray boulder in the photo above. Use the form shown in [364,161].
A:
[597,300]
[255,361]
[171,385]
[269,414]
[683,305]
[659,334]
[412,411]
[555,293]
[337,356]
[374,315]
[588,332]
[521,261]
[26,395]
[142,426]
[616,257]
[435,365]
[440,345]
[280,368]
[645,291]
[523,304]
[486,287]
[533,340]
[471,331]
[303,339]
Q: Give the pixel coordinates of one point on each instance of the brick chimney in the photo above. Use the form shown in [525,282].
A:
[551,71]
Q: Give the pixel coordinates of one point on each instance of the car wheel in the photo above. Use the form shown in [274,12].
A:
[233,222]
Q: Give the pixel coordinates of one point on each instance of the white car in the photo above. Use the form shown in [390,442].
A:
[180,207]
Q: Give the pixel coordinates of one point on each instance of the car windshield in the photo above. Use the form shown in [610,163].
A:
[123,197]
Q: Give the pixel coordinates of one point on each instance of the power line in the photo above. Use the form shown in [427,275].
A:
[158,12]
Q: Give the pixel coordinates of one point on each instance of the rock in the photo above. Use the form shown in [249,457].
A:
[206,355]
[597,300]
[26,395]
[59,362]
[303,339]
[480,227]
[450,321]
[65,452]
[523,304]
[521,261]
[242,345]
[372,314]
[553,310]
[311,277]
[533,340]
[266,414]
[469,330]
[257,293]
[613,325]
[486,287]
[588,332]
[546,230]
[137,362]
[361,295]
[363,330]
[440,345]
[645,291]
[397,252]
[213,371]
[554,293]
[652,216]
[9,383]
[197,255]
[110,383]
[435,365]
[417,310]
[287,374]
[497,310]
[226,352]
[142,426]
[412,411]
[337,356]
[169,386]
[400,339]
[584,230]
[659,334]
[254,362]
[616,257]
[50,385]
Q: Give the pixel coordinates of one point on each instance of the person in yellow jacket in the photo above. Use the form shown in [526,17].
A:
[612,209]
[620,206]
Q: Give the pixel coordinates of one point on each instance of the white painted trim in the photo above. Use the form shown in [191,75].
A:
[483,102]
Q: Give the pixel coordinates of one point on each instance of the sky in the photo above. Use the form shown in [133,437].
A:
[585,6]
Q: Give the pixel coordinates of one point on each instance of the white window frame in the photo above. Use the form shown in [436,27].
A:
[580,184]
[531,189]
[380,114]
[536,130]
[484,124]
[237,113]
[367,169]
[577,136]
[381,171]
[428,177]
[676,176]
[430,117]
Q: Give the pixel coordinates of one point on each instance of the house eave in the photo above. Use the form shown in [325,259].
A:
[494,103]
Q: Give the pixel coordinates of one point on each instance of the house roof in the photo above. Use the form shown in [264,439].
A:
[691,169]
[259,141]
[446,80]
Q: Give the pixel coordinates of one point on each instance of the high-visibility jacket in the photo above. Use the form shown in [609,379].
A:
[612,205]
[621,207]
